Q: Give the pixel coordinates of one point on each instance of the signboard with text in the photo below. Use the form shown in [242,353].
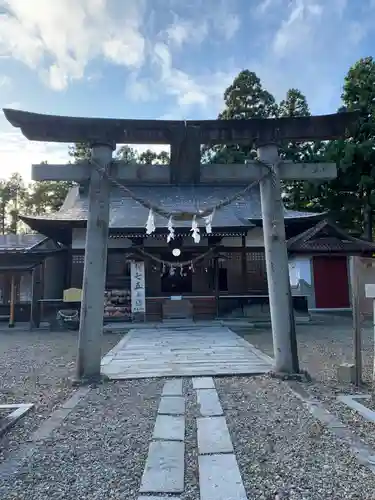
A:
[137,285]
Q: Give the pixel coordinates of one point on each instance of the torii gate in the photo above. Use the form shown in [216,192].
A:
[185,139]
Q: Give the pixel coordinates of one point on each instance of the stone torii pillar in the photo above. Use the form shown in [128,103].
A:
[276,255]
[95,267]
[185,139]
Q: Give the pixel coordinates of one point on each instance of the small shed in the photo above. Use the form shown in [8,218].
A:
[24,277]
[328,248]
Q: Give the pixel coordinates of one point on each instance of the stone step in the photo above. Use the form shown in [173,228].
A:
[177,309]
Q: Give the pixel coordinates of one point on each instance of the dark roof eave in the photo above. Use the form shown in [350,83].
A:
[181,230]
[292,220]
[320,251]
[56,230]
[36,253]
[42,224]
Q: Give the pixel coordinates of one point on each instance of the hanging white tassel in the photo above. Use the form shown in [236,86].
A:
[150,224]
[195,233]
[208,222]
[163,270]
[170,228]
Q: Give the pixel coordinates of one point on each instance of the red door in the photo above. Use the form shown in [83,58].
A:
[331,282]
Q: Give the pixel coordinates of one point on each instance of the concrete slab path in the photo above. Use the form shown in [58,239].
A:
[180,351]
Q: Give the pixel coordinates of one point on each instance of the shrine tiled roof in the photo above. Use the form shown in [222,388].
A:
[20,242]
[130,214]
[327,237]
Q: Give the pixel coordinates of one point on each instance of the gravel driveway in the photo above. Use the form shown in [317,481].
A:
[279,451]
[322,346]
[100,450]
[35,368]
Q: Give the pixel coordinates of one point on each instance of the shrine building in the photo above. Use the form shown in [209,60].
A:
[185,240]
[222,275]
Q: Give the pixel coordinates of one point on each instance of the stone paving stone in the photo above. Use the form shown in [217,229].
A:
[220,478]
[203,383]
[213,436]
[192,351]
[169,428]
[158,498]
[209,403]
[173,387]
[164,471]
[172,405]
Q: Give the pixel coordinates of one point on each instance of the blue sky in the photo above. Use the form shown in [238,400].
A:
[167,58]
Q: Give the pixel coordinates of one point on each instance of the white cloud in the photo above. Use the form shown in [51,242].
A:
[226,23]
[312,44]
[208,20]
[183,31]
[262,7]
[17,154]
[188,90]
[296,30]
[5,81]
[140,89]
[59,38]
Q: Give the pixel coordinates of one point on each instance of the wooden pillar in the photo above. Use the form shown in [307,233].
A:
[35,307]
[68,269]
[216,283]
[244,264]
[12,301]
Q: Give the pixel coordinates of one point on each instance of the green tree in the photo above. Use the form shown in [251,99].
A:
[298,194]
[13,198]
[245,98]
[350,198]
[358,159]
[126,154]
[4,202]
[80,151]
[152,158]
[46,196]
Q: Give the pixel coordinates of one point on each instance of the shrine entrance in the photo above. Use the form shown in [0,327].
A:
[176,280]
[177,283]
[185,171]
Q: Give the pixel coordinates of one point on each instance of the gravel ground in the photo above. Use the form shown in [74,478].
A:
[322,347]
[279,450]
[35,368]
[99,452]
[191,451]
